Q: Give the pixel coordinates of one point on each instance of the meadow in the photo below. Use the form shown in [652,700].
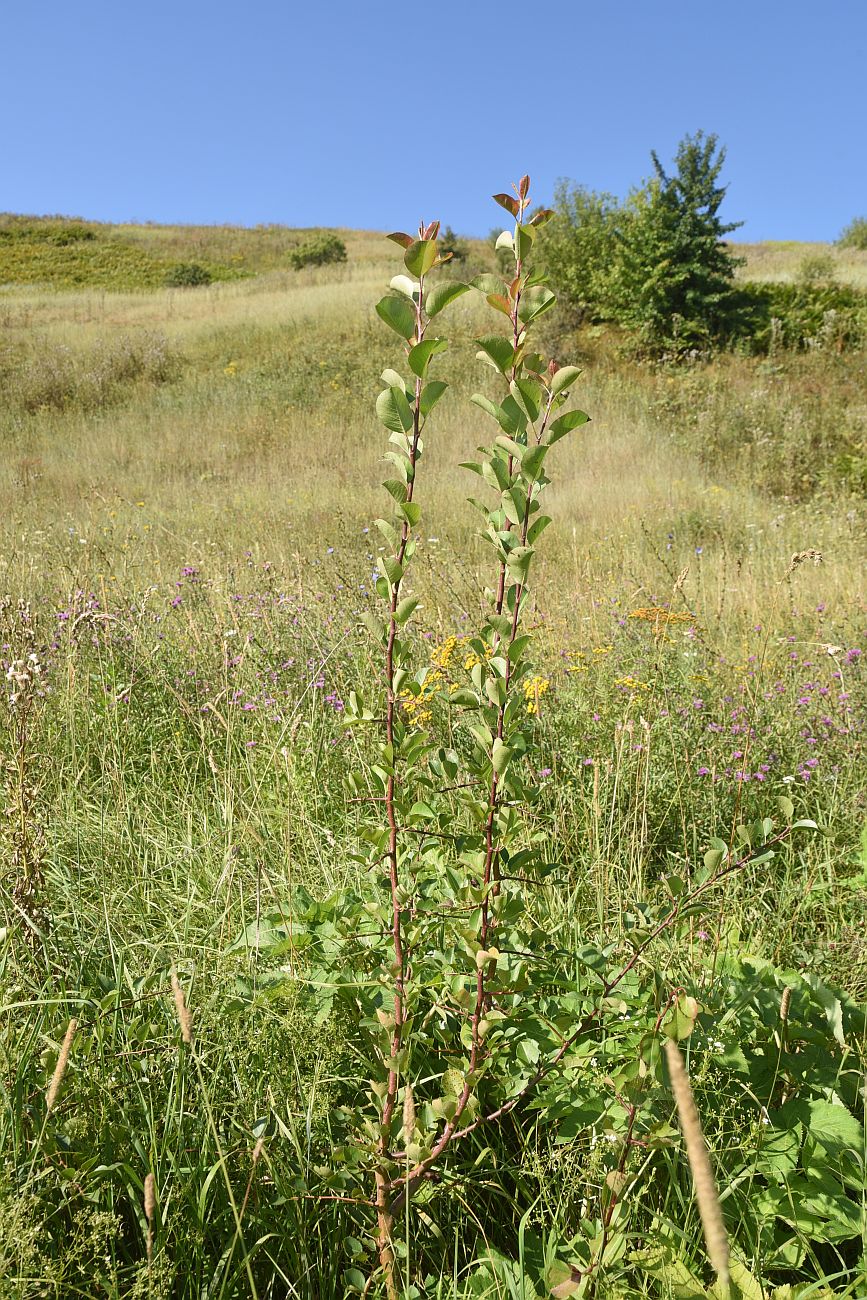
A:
[187,492]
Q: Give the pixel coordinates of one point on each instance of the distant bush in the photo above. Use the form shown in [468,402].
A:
[580,245]
[854,235]
[805,315]
[51,231]
[188,275]
[450,243]
[318,250]
[816,268]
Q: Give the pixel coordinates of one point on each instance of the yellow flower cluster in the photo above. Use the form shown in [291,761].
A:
[660,617]
[442,655]
[632,683]
[534,688]
[417,708]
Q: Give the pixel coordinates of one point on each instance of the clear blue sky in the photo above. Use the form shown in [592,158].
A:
[373,114]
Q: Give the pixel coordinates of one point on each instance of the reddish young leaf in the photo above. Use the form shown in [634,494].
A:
[506,201]
[431,231]
[499,302]
[539,218]
[524,186]
[400,238]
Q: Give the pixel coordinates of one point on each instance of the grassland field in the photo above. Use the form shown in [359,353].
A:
[187,487]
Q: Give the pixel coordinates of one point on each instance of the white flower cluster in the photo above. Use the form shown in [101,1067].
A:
[22,674]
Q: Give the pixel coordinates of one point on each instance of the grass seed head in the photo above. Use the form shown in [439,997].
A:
[60,1067]
[185,1020]
[712,1221]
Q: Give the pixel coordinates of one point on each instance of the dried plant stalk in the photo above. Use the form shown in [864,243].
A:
[712,1221]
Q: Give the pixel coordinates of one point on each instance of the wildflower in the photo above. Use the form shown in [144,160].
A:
[632,683]
[534,688]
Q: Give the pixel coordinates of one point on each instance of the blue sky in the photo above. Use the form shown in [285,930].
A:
[374,114]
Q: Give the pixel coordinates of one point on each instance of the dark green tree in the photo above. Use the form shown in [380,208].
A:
[674,277]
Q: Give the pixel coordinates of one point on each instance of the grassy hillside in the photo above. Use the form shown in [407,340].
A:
[71,253]
[187,492]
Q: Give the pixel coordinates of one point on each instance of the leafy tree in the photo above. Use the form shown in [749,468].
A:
[453,247]
[580,247]
[318,250]
[854,235]
[674,273]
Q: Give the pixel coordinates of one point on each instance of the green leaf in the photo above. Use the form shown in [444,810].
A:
[518,562]
[833,1127]
[512,508]
[512,418]
[786,807]
[534,302]
[430,395]
[464,696]
[388,531]
[565,377]
[393,410]
[713,859]
[525,237]
[565,424]
[420,257]
[537,528]
[398,314]
[499,350]
[487,283]
[391,568]
[680,1021]
[396,488]
[532,462]
[478,399]
[405,609]
[442,294]
[420,356]
[393,379]
[500,755]
[531,394]
[411,512]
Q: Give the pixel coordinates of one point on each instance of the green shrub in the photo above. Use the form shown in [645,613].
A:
[188,275]
[816,268]
[318,250]
[854,235]
[802,315]
[46,231]
[580,245]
